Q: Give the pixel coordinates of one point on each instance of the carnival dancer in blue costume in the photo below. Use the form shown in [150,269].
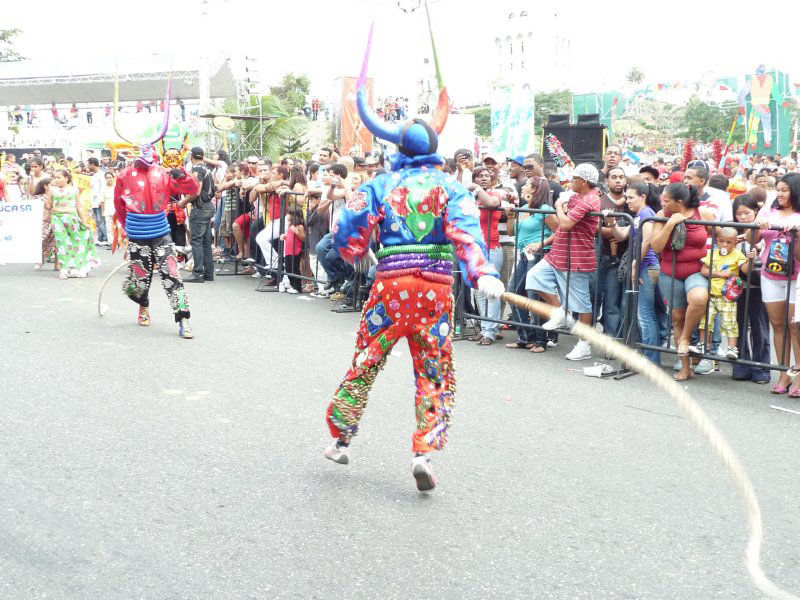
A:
[420,215]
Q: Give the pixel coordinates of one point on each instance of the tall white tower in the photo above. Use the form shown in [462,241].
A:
[533,49]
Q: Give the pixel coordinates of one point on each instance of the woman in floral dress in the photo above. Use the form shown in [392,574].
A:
[75,250]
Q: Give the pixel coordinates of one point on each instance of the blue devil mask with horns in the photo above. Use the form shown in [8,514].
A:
[414,138]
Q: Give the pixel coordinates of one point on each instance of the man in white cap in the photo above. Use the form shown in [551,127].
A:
[573,253]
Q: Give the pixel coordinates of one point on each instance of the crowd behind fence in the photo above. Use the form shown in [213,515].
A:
[293,252]
[467,316]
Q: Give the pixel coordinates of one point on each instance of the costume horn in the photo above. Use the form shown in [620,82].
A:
[439,118]
[165,124]
[377,126]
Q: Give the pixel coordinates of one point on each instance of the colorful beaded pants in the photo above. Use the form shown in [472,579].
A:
[419,310]
[146,257]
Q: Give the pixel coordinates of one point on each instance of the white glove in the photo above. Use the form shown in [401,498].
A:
[491,286]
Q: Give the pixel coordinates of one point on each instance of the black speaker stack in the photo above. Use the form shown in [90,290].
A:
[585,141]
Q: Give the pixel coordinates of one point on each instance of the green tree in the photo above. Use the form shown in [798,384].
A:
[635,75]
[7,52]
[278,134]
[549,103]
[483,121]
[292,91]
[706,121]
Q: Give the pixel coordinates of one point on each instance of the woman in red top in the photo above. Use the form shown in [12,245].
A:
[492,206]
[680,282]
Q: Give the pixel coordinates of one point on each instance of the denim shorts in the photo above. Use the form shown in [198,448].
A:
[682,287]
[544,278]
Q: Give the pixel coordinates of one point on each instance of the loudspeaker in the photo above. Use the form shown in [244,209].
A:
[589,119]
[558,119]
[583,143]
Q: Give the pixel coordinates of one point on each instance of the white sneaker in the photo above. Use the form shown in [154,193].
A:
[732,353]
[291,290]
[551,344]
[581,351]
[558,318]
[337,454]
[423,473]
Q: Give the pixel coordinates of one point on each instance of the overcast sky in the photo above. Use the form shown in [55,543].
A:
[326,38]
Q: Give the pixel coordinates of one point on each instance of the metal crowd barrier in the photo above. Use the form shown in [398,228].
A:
[462,315]
[744,332]
[233,214]
[277,256]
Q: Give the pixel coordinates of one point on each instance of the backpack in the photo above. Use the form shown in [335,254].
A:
[208,189]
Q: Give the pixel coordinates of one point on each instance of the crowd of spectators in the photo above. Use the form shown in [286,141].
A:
[580,242]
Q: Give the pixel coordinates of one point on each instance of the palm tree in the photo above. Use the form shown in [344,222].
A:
[271,136]
[635,75]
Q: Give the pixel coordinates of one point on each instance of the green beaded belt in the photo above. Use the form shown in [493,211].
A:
[435,251]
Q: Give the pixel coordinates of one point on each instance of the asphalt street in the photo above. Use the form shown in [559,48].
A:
[135,464]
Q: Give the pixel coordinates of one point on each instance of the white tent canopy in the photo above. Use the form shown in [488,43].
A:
[141,78]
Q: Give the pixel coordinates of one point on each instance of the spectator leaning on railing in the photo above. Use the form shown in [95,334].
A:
[776,274]
[685,289]
[651,309]
[572,252]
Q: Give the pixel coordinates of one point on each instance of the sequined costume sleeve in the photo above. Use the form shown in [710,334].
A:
[463,228]
[187,185]
[357,219]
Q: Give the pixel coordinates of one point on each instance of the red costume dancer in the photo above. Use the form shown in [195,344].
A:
[141,196]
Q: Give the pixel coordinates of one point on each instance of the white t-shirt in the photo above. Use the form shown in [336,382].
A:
[108,201]
[98,183]
[719,203]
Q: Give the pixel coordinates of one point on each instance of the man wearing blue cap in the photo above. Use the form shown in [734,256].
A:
[516,170]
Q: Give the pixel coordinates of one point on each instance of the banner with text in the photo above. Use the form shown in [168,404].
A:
[21,231]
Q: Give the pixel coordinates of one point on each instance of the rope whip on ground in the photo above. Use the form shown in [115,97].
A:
[698,418]
[101,310]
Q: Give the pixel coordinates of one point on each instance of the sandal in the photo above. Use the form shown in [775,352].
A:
[519,346]
[485,341]
[779,389]
[538,348]
[476,338]
[794,393]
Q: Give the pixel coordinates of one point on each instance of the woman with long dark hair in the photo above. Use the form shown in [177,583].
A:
[680,281]
[778,228]
[534,234]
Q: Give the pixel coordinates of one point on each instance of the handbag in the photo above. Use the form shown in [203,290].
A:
[778,256]
[679,234]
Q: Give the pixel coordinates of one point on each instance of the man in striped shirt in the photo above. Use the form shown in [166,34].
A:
[563,277]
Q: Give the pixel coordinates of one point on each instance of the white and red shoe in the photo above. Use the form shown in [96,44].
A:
[423,473]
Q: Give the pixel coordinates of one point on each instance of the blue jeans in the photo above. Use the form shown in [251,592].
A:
[652,313]
[610,296]
[334,265]
[491,308]
[101,224]
[526,335]
[200,226]
[218,221]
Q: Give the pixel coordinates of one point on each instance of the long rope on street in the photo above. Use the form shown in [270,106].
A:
[699,419]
